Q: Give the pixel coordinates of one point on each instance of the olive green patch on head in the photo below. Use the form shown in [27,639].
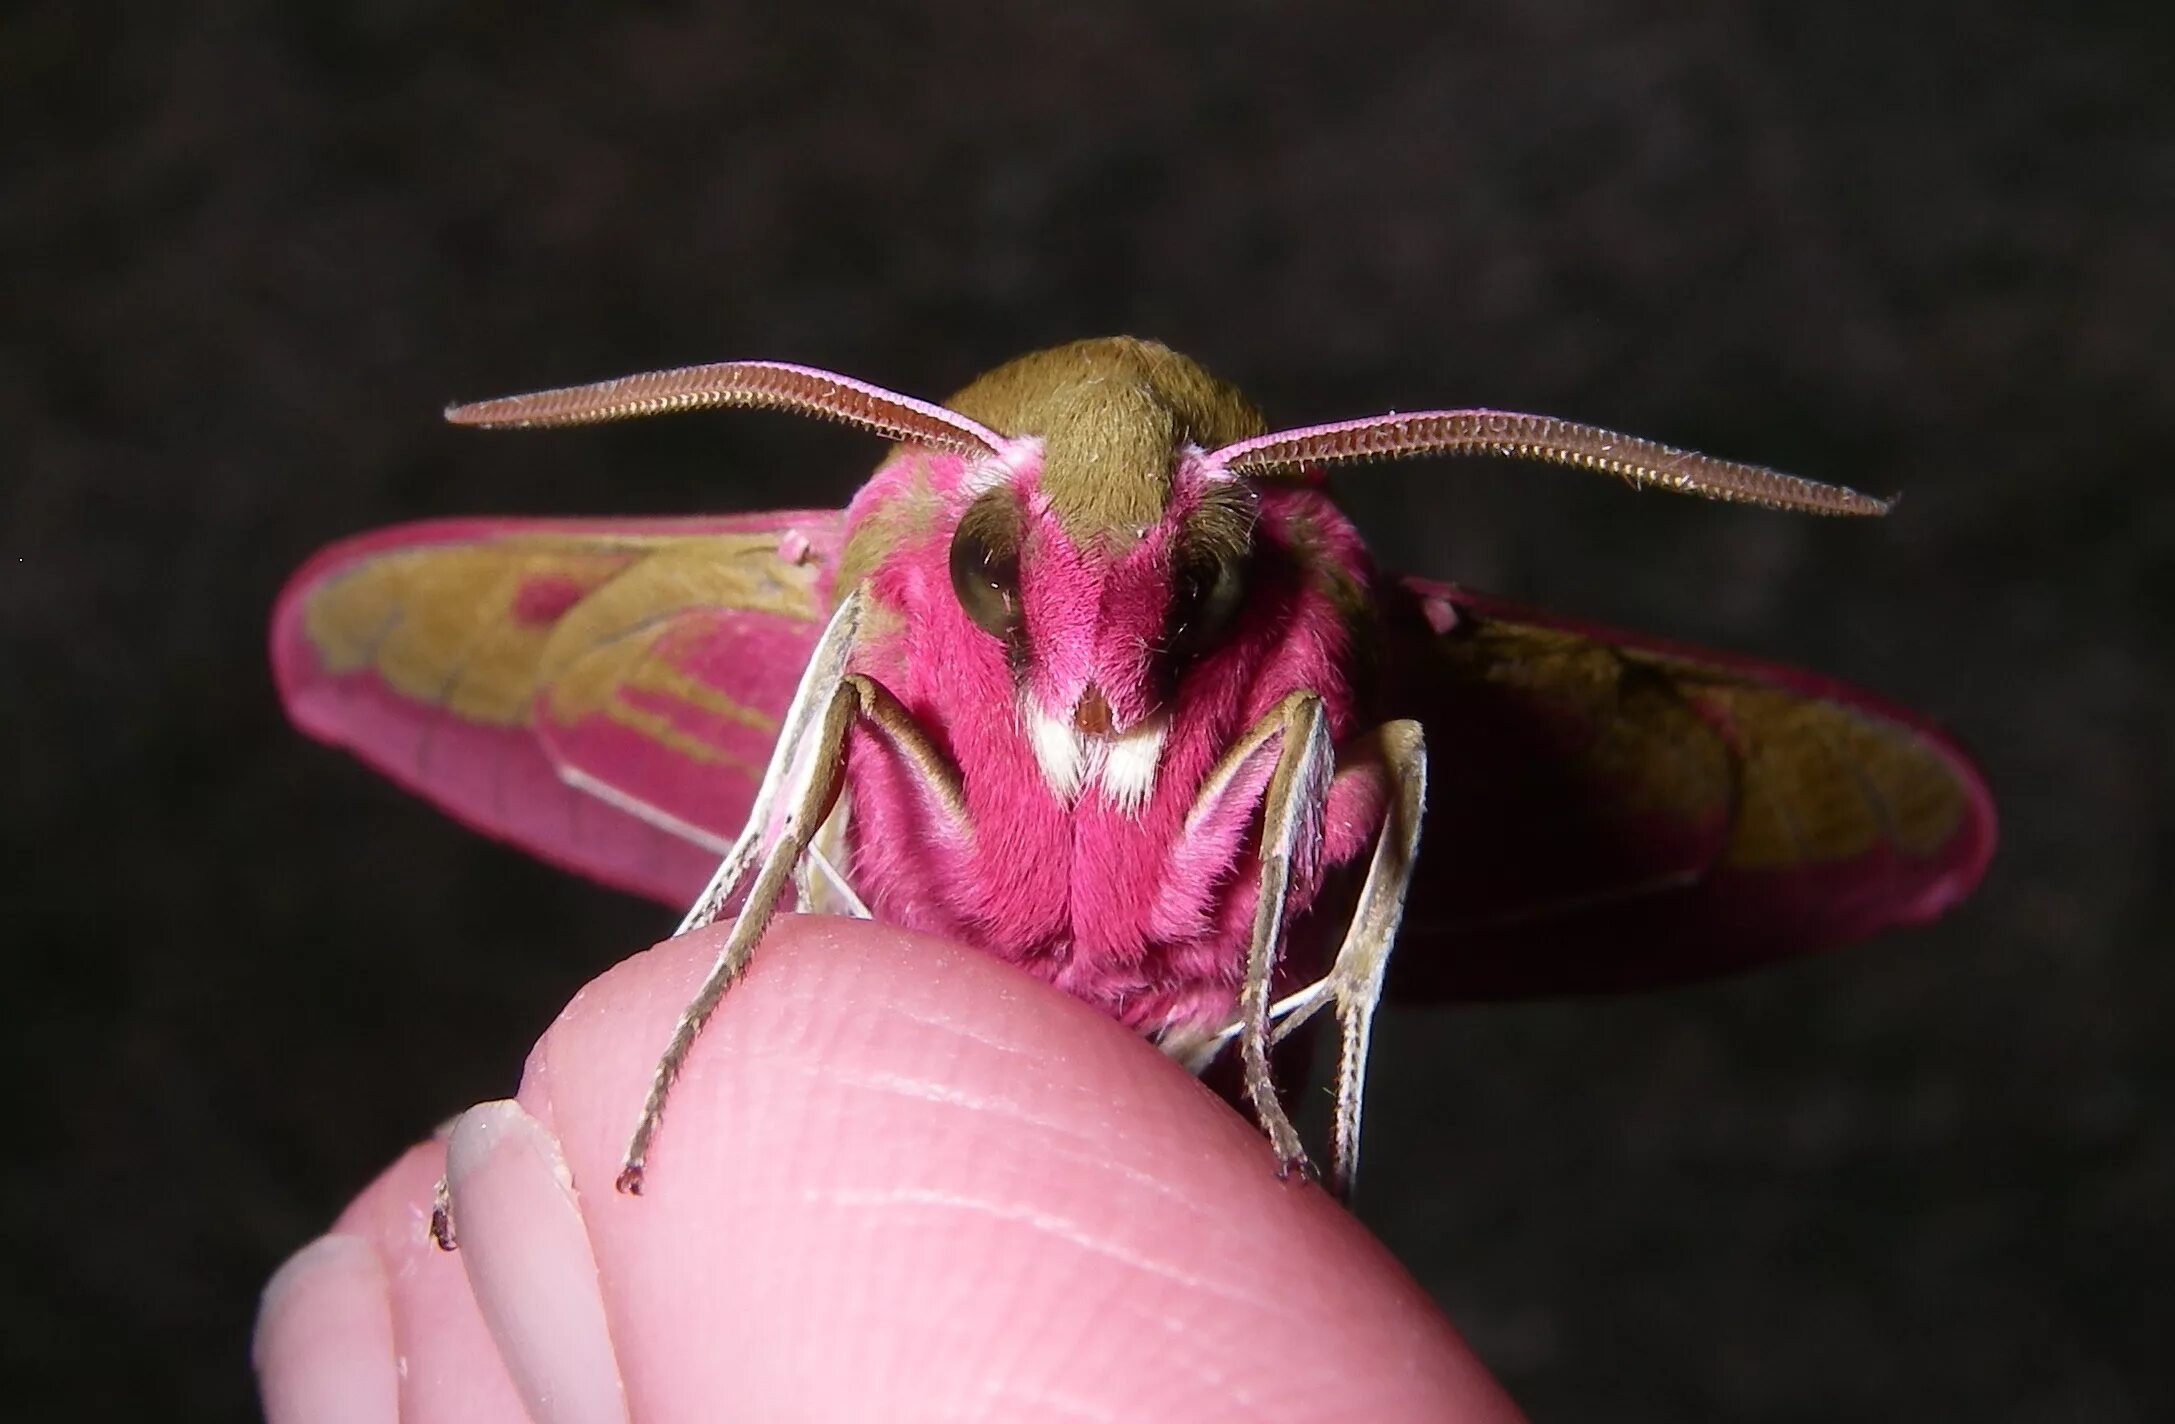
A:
[1221,526]
[1110,413]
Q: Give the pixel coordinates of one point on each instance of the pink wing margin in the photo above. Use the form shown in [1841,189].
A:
[1609,811]
[602,693]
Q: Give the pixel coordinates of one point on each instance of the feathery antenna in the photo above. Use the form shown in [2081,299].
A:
[762,385]
[1538,437]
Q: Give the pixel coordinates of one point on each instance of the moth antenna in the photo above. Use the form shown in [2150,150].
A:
[763,385]
[1634,460]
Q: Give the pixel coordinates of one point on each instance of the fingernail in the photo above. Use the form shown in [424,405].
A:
[530,1267]
[324,1340]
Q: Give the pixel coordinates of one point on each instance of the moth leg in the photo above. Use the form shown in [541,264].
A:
[1396,752]
[856,698]
[1291,835]
[809,806]
[835,884]
[1355,976]
[441,1215]
[818,686]
[928,772]
[803,900]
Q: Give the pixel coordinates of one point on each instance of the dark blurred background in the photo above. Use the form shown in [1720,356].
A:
[245,255]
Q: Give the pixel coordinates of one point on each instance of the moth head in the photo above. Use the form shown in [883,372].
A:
[1109,556]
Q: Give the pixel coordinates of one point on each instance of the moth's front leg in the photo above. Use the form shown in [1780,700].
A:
[1379,793]
[854,699]
[1394,756]
[1297,730]
[808,727]
[850,700]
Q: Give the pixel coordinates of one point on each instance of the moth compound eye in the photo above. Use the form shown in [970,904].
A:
[1206,596]
[986,578]
[985,564]
[1210,565]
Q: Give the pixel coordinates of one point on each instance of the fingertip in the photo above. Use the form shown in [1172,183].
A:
[895,1167]
[323,1345]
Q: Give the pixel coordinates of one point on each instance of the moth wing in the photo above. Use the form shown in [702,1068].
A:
[602,693]
[1608,811]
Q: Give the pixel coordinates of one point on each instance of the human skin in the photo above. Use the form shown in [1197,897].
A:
[899,1180]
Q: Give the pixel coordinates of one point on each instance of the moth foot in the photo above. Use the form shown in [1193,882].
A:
[441,1216]
[629,1182]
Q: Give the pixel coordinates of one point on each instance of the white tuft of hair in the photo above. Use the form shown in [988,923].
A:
[1058,752]
[1129,764]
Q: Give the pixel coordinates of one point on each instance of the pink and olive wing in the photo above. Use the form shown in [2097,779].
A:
[601,692]
[1608,811]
